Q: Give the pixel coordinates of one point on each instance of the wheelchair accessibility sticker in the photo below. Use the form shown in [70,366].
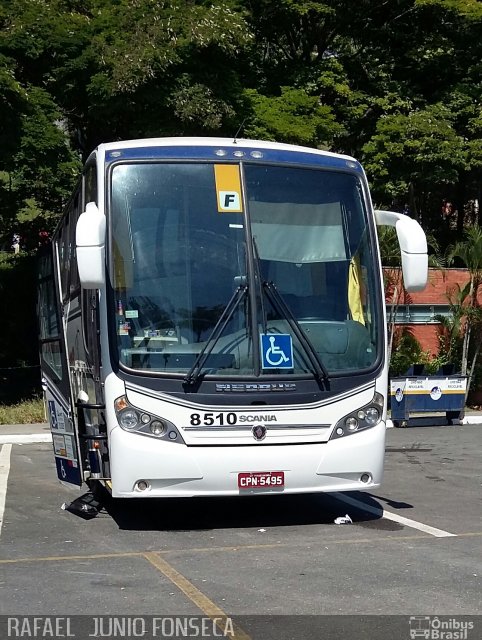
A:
[276,351]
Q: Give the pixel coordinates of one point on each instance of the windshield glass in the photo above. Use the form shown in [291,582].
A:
[179,253]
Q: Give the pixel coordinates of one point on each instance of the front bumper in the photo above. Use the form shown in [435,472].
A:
[177,470]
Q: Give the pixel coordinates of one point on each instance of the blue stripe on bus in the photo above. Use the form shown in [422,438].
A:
[207,153]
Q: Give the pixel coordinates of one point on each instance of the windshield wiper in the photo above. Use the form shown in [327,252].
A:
[280,305]
[195,371]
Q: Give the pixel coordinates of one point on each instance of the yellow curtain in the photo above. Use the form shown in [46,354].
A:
[355,290]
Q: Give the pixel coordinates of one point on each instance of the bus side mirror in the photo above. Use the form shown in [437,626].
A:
[413,248]
[90,244]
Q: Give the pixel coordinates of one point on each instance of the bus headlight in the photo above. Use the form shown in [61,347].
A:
[129,419]
[360,419]
[351,423]
[157,428]
[373,416]
[135,420]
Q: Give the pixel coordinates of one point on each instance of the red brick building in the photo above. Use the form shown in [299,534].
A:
[418,310]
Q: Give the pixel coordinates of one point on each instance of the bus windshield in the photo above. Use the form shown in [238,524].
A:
[186,236]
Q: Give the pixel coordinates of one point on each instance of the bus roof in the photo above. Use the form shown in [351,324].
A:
[213,142]
[213,148]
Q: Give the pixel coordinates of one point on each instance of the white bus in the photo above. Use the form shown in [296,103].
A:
[212,321]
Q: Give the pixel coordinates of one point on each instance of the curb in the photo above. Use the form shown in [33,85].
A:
[470,419]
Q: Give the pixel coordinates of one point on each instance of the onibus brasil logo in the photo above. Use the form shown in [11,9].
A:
[433,628]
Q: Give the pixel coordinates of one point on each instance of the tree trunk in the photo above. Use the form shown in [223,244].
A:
[412,202]
[472,368]
[391,320]
[479,201]
[465,349]
[460,204]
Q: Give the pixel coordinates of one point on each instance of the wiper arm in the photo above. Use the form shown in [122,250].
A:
[225,317]
[280,305]
[282,308]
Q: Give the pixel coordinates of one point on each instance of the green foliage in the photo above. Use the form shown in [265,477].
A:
[471,9]
[46,168]
[293,117]
[406,352]
[419,148]
[469,251]
[466,310]
[25,412]
[393,83]
[397,84]
[147,39]
[389,246]
[41,170]
[196,105]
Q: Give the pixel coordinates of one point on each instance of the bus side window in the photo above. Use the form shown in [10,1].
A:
[90,184]
[69,278]
[51,344]
[74,283]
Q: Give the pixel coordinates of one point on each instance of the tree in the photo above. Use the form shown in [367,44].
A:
[414,154]
[293,116]
[154,68]
[450,330]
[395,292]
[40,171]
[469,251]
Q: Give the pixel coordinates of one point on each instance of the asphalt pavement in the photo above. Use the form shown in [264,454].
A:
[279,566]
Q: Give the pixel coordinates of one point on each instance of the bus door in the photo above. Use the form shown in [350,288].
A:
[55,375]
[86,384]
[79,317]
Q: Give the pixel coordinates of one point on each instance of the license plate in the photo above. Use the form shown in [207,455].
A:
[261,480]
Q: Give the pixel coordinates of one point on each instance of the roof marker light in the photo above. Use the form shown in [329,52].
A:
[256,154]
[220,152]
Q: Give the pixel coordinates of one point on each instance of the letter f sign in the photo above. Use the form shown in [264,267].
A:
[229,201]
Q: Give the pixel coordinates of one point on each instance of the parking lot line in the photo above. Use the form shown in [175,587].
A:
[388,515]
[31,438]
[196,596]
[4,471]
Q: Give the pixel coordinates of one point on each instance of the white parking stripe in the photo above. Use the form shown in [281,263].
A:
[4,471]
[30,438]
[433,531]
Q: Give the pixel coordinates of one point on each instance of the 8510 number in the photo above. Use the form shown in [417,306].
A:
[213,419]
